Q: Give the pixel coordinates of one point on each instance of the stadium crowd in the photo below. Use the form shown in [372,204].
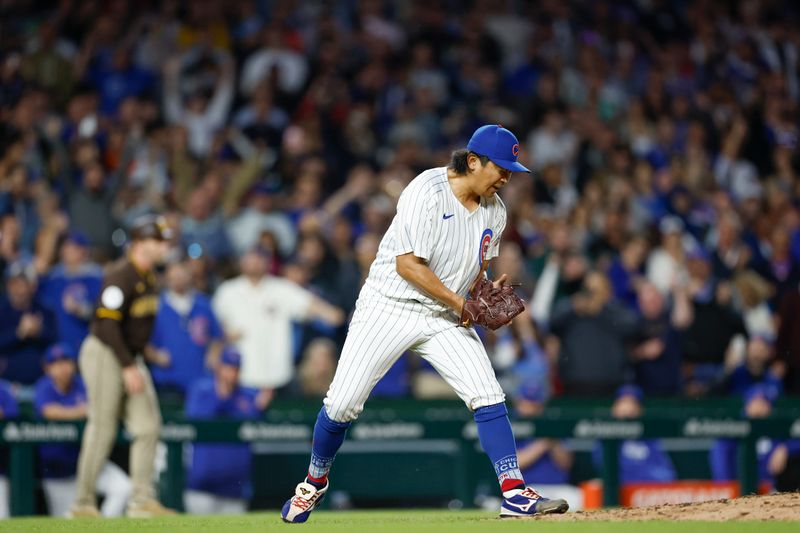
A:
[658,243]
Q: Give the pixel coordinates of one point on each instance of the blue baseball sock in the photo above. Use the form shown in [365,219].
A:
[497,440]
[328,438]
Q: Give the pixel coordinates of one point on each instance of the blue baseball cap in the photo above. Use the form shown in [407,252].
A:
[532,391]
[761,390]
[499,145]
[631,390]
[77,237]
[698,253]
[59,352]
[266,188]
[231,357]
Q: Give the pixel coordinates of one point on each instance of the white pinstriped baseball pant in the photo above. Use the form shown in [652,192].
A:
[382,330]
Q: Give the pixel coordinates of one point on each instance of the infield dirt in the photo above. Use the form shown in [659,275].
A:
[769,507]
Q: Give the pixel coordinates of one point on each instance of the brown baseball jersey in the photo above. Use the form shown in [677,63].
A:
[126,310]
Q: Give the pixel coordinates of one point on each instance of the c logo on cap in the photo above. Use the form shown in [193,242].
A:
[515,150]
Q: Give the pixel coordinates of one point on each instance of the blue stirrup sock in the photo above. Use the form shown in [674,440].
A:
[328,438]
[497,440]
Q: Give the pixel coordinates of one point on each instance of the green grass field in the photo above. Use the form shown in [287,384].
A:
[401,521]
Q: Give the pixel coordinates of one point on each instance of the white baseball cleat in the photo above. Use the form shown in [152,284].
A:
[306,498]
[527,502]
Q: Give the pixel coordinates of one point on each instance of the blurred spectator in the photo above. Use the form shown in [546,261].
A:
[118,79]
[19,201]
[89,205]
[559,271]
[216,486]
[787,346]
[711,340]
[203,23]
[187,337]
[658,353]
[783,465]
[518,356]
[626,273]
[758,368]
[328,277]
[48,62]
[730,253]
[204,112]
[724,456]
[593,330]
[257,310]
[781,269]
[608,242]
[639,460]
[10,251]
[366,248]
[60,395]
[553,143]
[28,327]
[261,120]
[317,367]
[204,227]
[8,410]
[667,262]
[754,293]
[260,215]
[275,64]
[71,288]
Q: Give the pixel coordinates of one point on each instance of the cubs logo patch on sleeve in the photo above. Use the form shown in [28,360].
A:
[486,240]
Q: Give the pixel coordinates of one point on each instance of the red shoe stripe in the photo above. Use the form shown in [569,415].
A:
[321,481]
[511,484]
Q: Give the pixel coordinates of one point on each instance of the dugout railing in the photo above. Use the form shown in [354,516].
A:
[427,429]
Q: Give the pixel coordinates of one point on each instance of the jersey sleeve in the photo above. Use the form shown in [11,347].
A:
[214,327]
[416,224]
[500,226]
[157,335]
[43,395]
[221,304]
[296,300]
[47,292]
[8,403]
[113,303]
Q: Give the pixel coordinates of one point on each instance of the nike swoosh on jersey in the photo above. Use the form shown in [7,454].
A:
[446,216]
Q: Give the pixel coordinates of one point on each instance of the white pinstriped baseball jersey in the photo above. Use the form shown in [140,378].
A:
[433,224]
[392,316]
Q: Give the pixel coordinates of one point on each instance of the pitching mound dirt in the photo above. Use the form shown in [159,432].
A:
[770,507]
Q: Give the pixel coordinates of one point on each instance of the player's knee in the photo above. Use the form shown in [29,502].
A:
[148,428]
[346,415]
[331,425]
[104,414]
[491,405]
[100,432]
[340,412]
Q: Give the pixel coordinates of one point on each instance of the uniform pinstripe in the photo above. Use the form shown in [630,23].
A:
[393,316]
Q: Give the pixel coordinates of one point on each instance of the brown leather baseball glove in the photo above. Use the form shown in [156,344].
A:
[491,307]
